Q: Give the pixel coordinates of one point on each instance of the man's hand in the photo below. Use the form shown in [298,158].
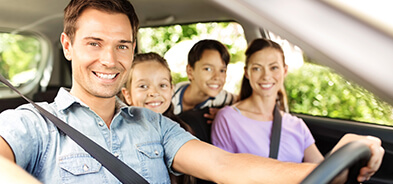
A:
[377,153]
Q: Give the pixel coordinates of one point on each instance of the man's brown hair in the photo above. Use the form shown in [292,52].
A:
[76,7]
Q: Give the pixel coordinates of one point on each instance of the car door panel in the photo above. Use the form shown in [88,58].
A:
[328,131]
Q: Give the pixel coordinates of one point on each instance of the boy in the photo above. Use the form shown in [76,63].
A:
[196,102]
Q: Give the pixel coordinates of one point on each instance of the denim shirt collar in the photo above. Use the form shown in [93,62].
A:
[65,100]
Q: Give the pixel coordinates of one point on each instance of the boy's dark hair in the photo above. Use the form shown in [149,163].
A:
[75,8]
[196,51]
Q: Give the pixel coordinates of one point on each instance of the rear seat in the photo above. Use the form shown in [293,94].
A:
[11,103]
[46,96]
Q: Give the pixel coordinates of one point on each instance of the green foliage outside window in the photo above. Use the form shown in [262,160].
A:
[19,55]
[317,90]
[161,39]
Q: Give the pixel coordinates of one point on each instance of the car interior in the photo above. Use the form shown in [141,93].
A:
[331,34]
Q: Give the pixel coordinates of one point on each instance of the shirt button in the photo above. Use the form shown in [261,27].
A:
[85,168]
[101,123]
[116,155]
[156,152]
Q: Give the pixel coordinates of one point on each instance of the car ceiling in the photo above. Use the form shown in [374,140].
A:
[45,16]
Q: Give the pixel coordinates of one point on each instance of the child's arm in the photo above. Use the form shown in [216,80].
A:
[211,115]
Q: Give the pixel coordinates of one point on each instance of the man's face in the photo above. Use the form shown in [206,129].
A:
[101,54]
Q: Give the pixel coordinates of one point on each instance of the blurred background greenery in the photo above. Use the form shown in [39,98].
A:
[319,91]
[19,57]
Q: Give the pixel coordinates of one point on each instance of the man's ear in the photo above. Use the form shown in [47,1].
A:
[190,70]
[67,46]
[126,95]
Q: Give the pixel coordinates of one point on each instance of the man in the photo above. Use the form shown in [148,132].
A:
[99,38]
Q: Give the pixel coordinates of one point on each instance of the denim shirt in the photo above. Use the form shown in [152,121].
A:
[144,140]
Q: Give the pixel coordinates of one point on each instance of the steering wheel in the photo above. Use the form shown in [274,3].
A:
[352,154]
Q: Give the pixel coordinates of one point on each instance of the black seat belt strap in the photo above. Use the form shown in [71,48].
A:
[276,133]
[119,169]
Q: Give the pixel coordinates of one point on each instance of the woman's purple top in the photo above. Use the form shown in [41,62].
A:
[236,133]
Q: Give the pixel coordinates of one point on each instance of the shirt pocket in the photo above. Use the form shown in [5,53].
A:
[81,168]
[151,157]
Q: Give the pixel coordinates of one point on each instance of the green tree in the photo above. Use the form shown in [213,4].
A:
[317,90]
[18,53]
[161,39]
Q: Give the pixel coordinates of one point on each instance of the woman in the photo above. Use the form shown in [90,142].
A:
[246,126]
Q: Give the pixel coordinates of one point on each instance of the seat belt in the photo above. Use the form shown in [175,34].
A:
[118,168]
[276,133]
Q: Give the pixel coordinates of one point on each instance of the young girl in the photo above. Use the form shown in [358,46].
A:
[149,85]
[246,126]
[200,99]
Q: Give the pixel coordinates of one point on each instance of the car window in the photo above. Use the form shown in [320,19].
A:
[23,58]
[174,42]
[318,90]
